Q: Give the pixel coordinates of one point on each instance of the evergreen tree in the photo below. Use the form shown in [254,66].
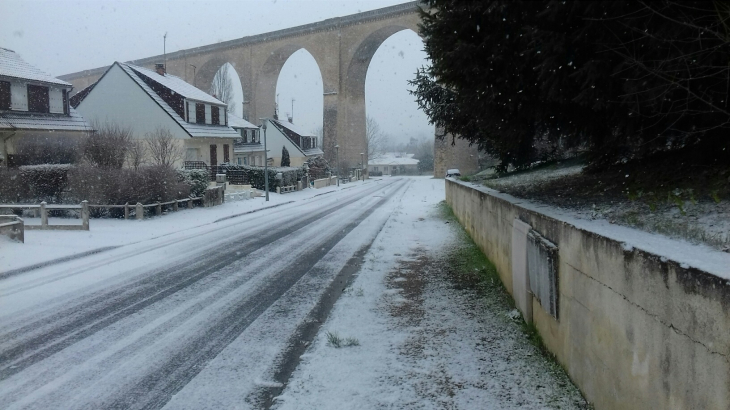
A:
[285,161]
[525,80]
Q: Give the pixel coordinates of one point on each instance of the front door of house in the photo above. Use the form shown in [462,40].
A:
[213,155]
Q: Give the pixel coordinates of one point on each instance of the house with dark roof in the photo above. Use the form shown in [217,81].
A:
[302,145]
[145,101]
[33,104]
[248,149]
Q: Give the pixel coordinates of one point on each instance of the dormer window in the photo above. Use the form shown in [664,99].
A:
[38,100]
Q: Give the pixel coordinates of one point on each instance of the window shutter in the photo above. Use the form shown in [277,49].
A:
[4,95]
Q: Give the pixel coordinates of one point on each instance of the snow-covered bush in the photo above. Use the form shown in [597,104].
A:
[46,182]
[196,179]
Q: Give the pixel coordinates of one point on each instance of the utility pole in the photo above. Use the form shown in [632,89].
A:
[266,161]
[164,49]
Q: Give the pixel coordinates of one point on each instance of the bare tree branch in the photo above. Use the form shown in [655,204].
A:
[375,137]
[163,148]
[222,88]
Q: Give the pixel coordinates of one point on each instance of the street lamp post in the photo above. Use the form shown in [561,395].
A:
[266,161]
[337,152]
[362,165]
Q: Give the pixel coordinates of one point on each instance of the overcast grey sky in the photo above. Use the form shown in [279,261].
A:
[64,36]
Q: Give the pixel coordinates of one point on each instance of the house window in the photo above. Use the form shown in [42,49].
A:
[226,154]
[38,100]
[215,115]
[245,136]
[4,95]
[254,138]
[200,113]
[191,154]
[245,160]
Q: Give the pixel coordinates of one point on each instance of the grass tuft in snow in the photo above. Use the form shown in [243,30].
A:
[354,291]
[334,340]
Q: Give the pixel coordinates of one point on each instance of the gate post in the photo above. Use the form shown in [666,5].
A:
[44,215]
[85,215]
[139,210]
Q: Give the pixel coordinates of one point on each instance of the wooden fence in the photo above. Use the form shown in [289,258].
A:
[212,196]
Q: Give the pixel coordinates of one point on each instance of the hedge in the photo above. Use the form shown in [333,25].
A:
[255,175]
[65,184]
[196,179]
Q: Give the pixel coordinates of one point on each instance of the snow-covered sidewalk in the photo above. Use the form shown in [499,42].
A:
[420,341]
[44,246]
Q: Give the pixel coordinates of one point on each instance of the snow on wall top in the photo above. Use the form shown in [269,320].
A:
[686,254]
[11,65]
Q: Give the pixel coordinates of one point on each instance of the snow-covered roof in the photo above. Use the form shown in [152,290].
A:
[235,121]
[11,65]
[176,84]
[195,130]
[291,131]
[392,158]
[293,128]
[14,120]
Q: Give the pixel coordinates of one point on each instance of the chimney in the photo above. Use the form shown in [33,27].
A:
[160,68]
[290,118]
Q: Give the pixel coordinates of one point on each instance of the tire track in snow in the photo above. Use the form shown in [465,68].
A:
[148,292]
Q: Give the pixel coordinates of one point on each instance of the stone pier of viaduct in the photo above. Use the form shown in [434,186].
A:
[342,47]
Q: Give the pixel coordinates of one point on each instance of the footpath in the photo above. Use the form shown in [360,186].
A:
[425,325]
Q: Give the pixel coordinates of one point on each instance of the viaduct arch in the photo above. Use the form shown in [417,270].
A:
[342,47]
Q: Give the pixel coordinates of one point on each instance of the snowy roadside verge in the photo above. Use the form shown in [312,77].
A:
[44,247]
[417,339]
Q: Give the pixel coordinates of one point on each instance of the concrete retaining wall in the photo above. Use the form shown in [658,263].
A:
[13,227]
[634,330]
[321,183]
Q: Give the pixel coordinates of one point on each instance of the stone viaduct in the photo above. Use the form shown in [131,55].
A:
[342,47]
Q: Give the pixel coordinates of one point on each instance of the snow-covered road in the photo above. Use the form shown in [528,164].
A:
[199,318]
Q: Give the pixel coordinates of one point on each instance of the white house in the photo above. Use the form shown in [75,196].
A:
[146,100]
[248,148]
[393,163]
[33,104]
[302,145]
